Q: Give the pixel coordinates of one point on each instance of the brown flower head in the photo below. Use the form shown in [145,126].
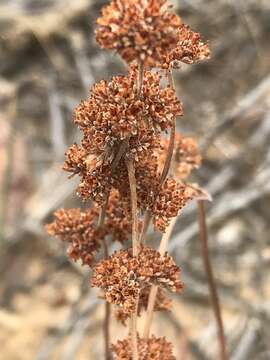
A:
[163,303]
[171,198]
[114,114]
[122,276]
[75,162]
[78,229]
[190,49]
[141,30]
[148,349]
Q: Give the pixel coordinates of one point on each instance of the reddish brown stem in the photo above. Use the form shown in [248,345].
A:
[107,317]
[146,223]
[169,156]
[154,288]
[167,164]
[134,209]
[135,246]
[211,280]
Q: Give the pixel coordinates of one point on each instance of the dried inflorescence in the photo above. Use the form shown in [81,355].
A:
[123,276]
[122,158]
[146,31]
[190,49]
[78,229]
[171,198]
[148,349]
[142,30]
[114,115]
[162,303]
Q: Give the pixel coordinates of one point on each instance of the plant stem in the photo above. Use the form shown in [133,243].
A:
[154,288]
[167,164]
[169,156]
[146,223]
[140,77]
[135,247]
[101,218]
[106,325]
[134,209]
[210,279]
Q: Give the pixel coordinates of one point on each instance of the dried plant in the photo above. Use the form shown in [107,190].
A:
[123,122]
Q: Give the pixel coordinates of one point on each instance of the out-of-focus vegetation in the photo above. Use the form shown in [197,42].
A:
[48,61]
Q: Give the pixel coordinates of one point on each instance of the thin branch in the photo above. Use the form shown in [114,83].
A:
[135,247]
[154,289]
[106,323]
[140,78]
[107,317]
[134,209]
[102,215]
[210,279]
[167,164]
[146,223]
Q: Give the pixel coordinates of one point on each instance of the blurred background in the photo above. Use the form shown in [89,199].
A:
[48,61]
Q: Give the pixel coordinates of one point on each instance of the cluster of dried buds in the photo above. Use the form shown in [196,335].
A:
[123,122]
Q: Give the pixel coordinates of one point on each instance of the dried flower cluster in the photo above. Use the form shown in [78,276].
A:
[123,163]
[149,349]
[122,276]
[162,303]
[81,231]
[147,31]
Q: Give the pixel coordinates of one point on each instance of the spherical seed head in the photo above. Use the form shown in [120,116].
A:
[148,349]
[75,162]
[190,49]
[171,198]
[123,276]
[78,229]
[141,30]
[113,114]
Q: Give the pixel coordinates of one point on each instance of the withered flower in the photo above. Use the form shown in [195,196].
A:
[114,114]
[122,276]
[75,162]
[171,198]
[162,303]
[190,49]
[148,349]
[142,30]
[78,229]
